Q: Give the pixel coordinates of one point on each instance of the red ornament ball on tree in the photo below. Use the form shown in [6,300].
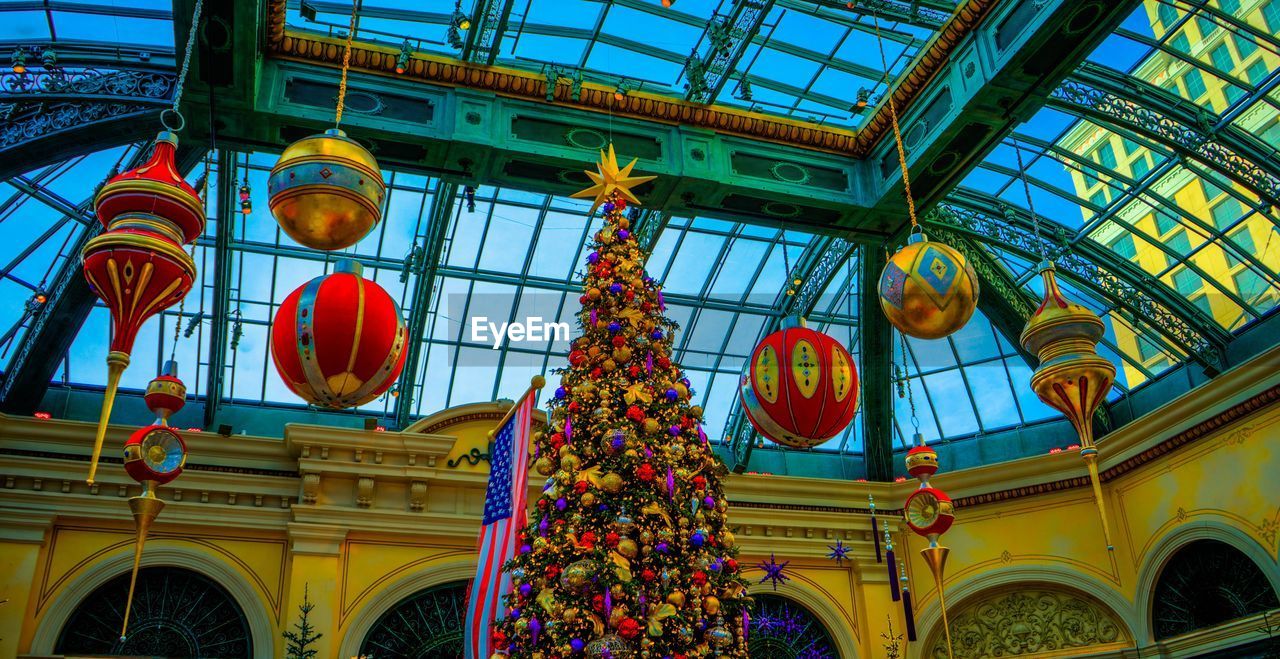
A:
[800,387]
[338,341]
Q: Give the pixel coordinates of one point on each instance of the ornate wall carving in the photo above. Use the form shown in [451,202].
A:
[1030,619]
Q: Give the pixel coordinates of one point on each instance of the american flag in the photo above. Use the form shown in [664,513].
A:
[504,516]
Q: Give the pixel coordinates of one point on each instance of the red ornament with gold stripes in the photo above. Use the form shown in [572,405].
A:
[338,341]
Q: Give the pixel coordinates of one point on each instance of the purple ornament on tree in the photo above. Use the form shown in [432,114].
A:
[648,363]
[672,395]
[535,628]
[662,304]
[593,258]
[577,645]
[525,589]
[593,317]
[615,288]
[568,430]
[561,504]
[607,207]
[657,335]
[617,442]
[674,430]
[561,393]
[614,326]
[624,234]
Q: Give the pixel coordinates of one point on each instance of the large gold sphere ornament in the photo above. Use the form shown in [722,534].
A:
[326,191]
[928,290]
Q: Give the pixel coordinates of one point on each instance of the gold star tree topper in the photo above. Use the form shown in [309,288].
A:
[610,179]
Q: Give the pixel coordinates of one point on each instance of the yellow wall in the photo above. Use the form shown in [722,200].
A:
[371,518]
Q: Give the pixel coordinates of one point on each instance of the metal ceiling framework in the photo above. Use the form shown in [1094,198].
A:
[1103,94]
[101,77]
[87,97]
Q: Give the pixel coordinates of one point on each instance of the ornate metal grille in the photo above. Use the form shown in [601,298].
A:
[783,629]
[176,613]
[428,625]
[1206,583]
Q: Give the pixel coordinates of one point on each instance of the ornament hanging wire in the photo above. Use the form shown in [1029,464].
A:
[346,63]
[897,133]
[173,114]
[1031,207]
[911,400]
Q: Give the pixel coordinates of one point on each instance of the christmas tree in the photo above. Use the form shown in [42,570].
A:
[299,642]
[627,552]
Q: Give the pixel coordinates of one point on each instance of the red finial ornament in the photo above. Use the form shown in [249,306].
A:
[138,266]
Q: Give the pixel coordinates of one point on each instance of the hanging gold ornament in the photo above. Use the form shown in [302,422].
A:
[326,190]
[1072,378]
[928,290]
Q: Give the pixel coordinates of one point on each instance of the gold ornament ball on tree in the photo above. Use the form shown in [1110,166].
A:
[928,290]
[577,575]
[326,191]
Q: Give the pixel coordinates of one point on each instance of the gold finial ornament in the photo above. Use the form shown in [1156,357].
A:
[1072,378]
[610,179]
[145,508]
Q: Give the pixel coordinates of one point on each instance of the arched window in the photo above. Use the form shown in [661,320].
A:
[783,629]
[427,625]
[176,613]
[1206,583]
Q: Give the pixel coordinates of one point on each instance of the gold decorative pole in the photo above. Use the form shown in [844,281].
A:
[1072,378]
[146,508]
[117,361]
[936,557]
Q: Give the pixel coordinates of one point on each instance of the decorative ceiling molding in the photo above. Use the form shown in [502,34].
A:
[381,60]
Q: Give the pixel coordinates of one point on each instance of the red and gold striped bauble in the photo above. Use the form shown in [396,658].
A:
[338,341]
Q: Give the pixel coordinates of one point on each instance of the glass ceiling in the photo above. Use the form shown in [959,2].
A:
[806,61]
[1208,240]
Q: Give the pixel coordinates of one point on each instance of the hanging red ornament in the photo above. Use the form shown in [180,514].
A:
[338,341]
[166,394]
[800,388]
[138,265]
[153,456]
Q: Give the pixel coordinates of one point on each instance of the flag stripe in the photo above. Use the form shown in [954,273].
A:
[504,517]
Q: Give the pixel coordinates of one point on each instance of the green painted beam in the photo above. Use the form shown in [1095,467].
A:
[419,308]
[228,204]
[725,42]
[997,77]
[488,27]
[875,360]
